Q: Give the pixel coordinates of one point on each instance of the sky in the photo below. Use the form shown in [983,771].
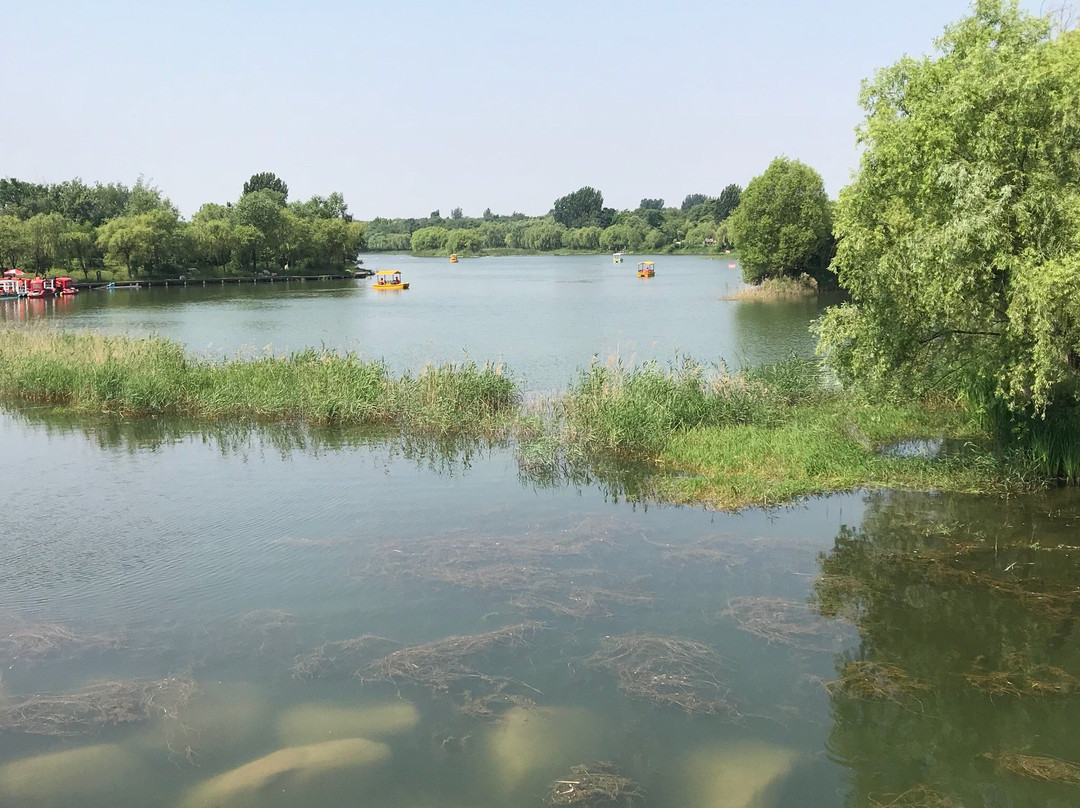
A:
[407,107]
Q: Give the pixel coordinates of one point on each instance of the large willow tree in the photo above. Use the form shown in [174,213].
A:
[960,235]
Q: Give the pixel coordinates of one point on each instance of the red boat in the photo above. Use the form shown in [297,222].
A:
[40,287]
[66,286]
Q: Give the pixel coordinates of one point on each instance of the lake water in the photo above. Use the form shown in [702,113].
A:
[371,622]
[545,317]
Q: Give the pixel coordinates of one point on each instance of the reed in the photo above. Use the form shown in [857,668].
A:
[154,376]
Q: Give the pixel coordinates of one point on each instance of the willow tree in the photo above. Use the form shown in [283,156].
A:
[959,239]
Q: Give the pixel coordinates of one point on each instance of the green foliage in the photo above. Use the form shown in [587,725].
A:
[581,208]
[726,203]
[651,204]
[93,372]
[692,199]
[267,181]
[430,239]
[960,236]
[783,224]
[543,236]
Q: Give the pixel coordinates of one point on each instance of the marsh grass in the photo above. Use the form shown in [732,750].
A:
[773,289]
[154,376]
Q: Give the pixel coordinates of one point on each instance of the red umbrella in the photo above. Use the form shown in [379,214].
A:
[13,272]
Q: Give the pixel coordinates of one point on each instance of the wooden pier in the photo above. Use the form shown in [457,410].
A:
[144,283]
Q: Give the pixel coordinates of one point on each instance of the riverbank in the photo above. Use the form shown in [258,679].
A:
[761,436]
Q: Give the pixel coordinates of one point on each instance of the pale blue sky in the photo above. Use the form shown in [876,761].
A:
[406,107]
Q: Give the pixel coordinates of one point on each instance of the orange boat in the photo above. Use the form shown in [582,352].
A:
[646,269]
[388,279]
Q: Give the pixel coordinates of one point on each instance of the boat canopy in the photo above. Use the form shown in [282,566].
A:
[646,263]
[387,272]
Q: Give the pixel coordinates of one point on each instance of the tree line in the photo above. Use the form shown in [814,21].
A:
[73,226]
[577,221]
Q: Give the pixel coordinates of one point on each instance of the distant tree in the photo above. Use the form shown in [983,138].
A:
[77,242]
[435,214]
[456,213]
[429,239]
[322,207]
[543,236]
[727,202]
[44,237]
[691,200]
[12,240]
[267,181]
[145,197]
[488,215]
[213,234]
[123,238]
[652,204]
[783,224]
[464,240]
[262,210]
[581,208]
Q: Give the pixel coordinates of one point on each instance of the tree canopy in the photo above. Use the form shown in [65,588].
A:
[959,239]
[582,208]
[783,223]
[267,181]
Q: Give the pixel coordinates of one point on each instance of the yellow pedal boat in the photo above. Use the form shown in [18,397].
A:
[388,279]
[646,269]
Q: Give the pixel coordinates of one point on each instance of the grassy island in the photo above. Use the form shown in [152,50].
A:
[760,436]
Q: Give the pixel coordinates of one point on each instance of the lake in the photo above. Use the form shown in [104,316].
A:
[213,614]
[545,317]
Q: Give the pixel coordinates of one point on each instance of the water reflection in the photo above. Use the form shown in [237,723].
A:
[965,680]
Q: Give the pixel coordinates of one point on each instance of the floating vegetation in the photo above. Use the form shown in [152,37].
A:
[670,671]
[1039,768]
[442,663]
[490,704]
[53,641]
[862,679]
[594,784]
[332,657]
[1017,677]
[917,797]
[785,621]
[265,621]
[530,565]
[100,705]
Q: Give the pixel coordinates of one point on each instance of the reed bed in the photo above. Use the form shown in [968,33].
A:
[594,784]
[773,289]
[669,671]
[152,376]
[53,641]
[106,704]
[635,410]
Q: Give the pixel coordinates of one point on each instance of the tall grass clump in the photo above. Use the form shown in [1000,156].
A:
[1050,443]
[636,410]
[151,376]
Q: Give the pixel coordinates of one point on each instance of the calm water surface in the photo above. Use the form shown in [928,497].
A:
[227,555]
[545,317]
[864,649]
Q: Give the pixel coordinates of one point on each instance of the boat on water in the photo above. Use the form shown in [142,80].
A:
[12,289]
[388,279]
[65,286]
[38,288]
[646,269]
[616,258]
[453,258]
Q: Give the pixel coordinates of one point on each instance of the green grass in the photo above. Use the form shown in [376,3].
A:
[152,376]
[688,433]
[767,435]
